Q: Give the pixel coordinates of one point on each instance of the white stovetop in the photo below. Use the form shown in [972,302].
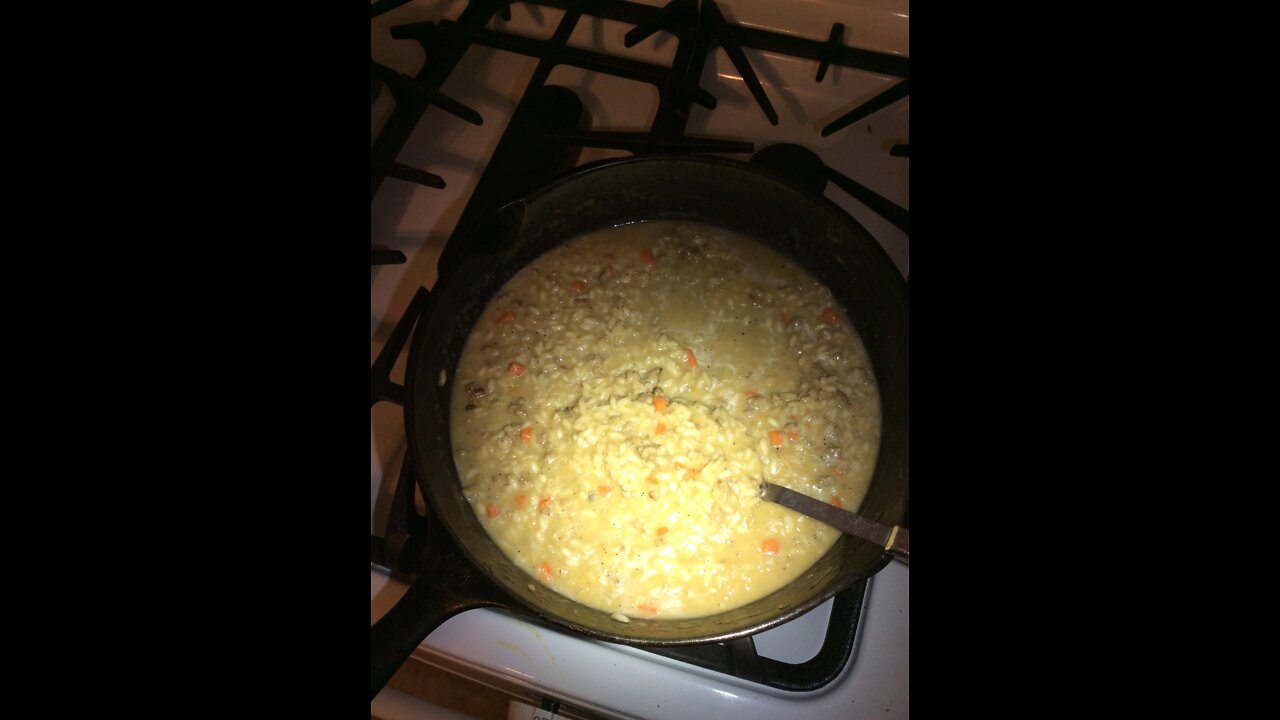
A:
[496,648]
[492,646]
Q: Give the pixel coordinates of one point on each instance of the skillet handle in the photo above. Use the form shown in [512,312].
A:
[395,635]
[445,585]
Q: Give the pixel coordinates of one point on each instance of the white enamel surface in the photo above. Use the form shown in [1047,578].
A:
[622,681]
[879,25]
[490,646]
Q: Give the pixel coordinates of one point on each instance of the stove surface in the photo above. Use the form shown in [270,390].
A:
[515,654]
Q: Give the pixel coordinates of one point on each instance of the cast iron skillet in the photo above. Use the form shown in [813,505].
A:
[808,228]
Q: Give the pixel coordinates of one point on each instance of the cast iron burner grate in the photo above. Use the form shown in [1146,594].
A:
[546,146]
[544,139]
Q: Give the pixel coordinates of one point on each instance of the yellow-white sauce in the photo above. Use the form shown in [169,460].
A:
[619,401]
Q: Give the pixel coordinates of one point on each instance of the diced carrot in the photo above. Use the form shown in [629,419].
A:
[835,500]
[659,403]
[689,358]
[653,479]
[604,489]
[793,436]
[660,429]
[751,394]
[508,315]
[662,531]
[830,317]
[515,369]
[545,569]
[649,608]
[769,546]
[544,503]
[579,286]
[492,511]
[526,435]
[646,256]
[775,438]
[689,473]
[522,500]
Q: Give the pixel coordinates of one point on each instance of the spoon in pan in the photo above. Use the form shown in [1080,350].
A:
[893,539]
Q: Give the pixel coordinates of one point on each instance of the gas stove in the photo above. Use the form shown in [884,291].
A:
[475,103]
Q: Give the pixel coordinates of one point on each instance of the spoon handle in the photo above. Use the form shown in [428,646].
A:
[899,545]
[895,539]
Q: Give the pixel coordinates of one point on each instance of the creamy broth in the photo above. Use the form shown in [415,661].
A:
[620,399]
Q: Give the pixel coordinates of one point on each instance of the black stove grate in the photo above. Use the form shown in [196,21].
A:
[698,31]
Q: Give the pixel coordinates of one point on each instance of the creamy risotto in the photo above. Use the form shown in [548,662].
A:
[619,401]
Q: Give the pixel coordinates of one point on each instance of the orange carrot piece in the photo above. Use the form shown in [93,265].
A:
[689,358]
[775,438]
[751,394]
[649,608]
[662,531]
[659,403]
[515,369]
[544,503]
[652,479]
[793,436]
[508,315]
[579,286]
[604,489]
[545,569]
[492,511]
[769,546]
[526,435]
[835,500]
[646,256]
[830,317]
[522,500]
[660,429]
